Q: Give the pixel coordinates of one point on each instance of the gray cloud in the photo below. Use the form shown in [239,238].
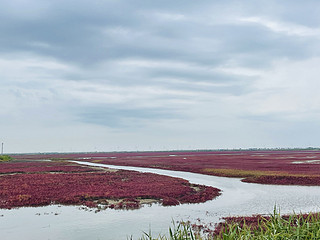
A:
[166,67]
[127,118]
[86,34]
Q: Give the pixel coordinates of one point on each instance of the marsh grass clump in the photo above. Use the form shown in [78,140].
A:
[5,158]
[273,227]
[181,231]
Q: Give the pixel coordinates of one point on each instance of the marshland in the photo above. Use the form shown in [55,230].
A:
[88,194]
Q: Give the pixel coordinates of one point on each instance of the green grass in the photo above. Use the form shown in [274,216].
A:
[238,173]
[274,227]
[5,158]
[182,231]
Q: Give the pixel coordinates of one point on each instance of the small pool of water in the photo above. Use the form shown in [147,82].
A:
[238,198]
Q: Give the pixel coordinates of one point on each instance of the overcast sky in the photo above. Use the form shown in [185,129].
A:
[114,75]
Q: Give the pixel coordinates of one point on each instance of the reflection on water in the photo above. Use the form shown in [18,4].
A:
[238,198]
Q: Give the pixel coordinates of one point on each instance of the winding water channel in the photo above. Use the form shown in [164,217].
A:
[238,198]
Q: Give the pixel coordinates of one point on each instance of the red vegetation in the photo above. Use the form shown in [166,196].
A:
[81,185]
[255,222]
[39,166]
[267,167]
[285,180]
[309,161]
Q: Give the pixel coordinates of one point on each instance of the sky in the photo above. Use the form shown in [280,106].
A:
[121,75]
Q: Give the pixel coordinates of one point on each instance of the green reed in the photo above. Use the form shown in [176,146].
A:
[273,227]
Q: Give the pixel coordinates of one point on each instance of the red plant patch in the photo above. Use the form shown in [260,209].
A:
[291,167]
[285,180]
[253,222]
[258,221]
[122,188]
[39,166]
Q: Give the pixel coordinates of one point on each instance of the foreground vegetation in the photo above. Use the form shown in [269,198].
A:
[275,226]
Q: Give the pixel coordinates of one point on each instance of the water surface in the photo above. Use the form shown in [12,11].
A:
[238,198]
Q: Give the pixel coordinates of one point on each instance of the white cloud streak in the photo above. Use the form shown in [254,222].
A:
[283,27]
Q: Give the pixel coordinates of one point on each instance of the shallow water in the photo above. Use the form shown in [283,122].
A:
[238,198]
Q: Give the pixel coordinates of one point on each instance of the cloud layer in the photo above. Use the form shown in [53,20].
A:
[144,75]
